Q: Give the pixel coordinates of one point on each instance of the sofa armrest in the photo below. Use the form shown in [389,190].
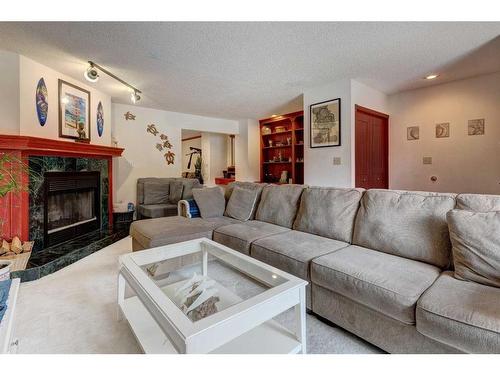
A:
[188,208]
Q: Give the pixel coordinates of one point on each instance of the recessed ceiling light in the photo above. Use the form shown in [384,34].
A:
[432,76]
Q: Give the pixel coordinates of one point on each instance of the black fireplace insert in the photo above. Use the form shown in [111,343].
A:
[72,205]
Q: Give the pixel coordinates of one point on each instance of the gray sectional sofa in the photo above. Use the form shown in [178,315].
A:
[159,197]
[378,262]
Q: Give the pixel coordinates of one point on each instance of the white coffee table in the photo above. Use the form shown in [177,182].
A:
[251,294]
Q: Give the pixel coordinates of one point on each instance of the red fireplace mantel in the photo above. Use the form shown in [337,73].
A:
[16,206]
[34,145]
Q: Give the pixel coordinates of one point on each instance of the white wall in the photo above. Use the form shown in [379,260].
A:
[9,93]
[462,163]
[30,73]
[319,169]
[247,151]
[141,158]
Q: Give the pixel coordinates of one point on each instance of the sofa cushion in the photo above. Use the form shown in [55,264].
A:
[279,204]
[142,181]
[176,188]
[293,251]
[168,230]
[475,237]
[408,224]
[156,193]
[221,221]
[158,210]
[328,212]
[188,185]
[245,185]
[478,202]
[210,201]
[242,203]
[461,314]
[386,283]
[240,236]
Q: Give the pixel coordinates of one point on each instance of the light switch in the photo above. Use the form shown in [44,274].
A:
[427,160]
[337,161]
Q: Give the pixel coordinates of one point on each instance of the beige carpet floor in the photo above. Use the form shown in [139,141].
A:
[74,311]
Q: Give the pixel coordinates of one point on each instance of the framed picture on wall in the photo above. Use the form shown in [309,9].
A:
[325,124]
[74,112]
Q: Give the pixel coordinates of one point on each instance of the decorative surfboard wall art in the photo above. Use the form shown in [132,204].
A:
[100,119]
[42,102]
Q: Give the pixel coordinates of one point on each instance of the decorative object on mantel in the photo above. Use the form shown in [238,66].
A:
[412,133]
[74,112]
[129,116]
[100,119]
[443,130]
[325,124]
[42,102]
[476,127]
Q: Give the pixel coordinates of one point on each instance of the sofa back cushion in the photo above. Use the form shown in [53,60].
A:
[478,202]
[476,246]
[242,203]
[156,193]
[142,181]
[210,201]
[189,185]
[249,186]
[404,223]
[176,188]
[328,212]
[279,203]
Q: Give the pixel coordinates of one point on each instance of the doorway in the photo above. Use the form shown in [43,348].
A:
[371,149]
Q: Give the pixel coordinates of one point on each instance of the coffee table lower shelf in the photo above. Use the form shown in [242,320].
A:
[268,338]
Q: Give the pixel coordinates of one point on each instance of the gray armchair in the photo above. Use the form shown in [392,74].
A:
[158,197]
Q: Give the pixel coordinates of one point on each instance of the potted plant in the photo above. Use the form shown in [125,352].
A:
[197,169]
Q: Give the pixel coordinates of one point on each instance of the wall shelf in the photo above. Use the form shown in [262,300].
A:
[270,171]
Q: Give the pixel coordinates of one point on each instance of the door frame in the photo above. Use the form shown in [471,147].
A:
[372,112]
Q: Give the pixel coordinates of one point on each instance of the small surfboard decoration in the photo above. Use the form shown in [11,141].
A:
[42,102]
[100,119]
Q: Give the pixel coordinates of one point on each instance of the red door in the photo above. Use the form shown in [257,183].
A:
[372,149]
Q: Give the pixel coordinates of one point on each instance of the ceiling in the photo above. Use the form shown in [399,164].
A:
[253,70]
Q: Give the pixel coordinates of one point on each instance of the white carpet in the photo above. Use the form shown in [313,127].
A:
[74,311]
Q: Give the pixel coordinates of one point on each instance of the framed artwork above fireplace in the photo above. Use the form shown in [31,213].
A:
[74,112]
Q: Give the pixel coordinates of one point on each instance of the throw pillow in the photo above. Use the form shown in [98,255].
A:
[210,201]
[176,188]
[476,245]
[242,203]
[156,193]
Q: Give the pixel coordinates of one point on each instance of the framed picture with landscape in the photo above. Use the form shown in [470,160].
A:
[324,121]
[74,112]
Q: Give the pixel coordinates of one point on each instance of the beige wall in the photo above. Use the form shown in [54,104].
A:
[30,73]
[462,163]
[9,93]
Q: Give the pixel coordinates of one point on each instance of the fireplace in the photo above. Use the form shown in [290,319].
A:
[71,205]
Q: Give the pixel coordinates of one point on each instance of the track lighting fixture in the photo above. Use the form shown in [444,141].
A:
[92,75]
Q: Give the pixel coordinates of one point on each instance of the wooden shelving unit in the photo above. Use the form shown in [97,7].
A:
[283,148]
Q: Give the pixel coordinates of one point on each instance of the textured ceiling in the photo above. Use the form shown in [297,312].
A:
[252,70]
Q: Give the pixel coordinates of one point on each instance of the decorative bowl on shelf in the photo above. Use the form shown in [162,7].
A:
[266,130]
[280,129]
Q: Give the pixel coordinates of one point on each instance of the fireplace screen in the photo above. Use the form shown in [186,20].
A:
[67,209]
[72,205]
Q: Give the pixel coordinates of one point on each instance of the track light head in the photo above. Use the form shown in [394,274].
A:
[91,74]
[135,97]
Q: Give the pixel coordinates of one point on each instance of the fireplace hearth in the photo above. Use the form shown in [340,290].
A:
[71,205]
